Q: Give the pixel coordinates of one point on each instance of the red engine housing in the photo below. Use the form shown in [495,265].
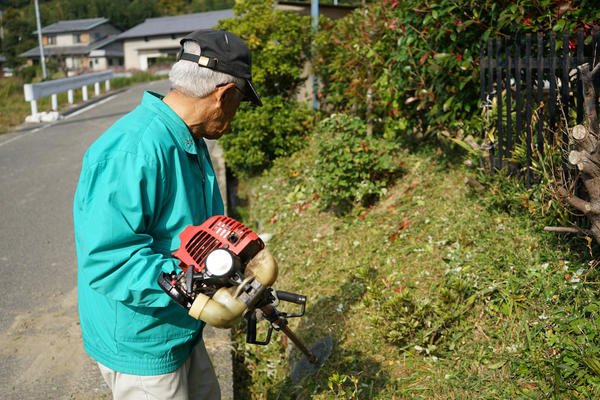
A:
[216,232]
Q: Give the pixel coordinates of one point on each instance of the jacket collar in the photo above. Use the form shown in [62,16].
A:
[173,121]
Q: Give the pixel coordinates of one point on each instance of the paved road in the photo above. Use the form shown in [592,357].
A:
[40,344]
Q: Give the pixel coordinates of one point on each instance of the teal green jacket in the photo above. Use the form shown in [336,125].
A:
[142,182]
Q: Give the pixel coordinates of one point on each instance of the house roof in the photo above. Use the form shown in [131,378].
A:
[74,50]
[57,50]
[74,25]
[181,24]
[103,42]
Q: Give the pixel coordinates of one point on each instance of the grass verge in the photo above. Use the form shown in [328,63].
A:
[14,108]
[437,292]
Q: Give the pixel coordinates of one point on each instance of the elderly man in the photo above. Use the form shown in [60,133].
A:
[142,182]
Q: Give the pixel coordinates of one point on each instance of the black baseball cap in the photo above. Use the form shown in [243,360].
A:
[224,52]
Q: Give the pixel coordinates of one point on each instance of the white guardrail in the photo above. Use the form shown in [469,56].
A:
[35,91]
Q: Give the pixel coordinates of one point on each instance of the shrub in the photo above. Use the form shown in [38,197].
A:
[279,41]
[27,73]
[260,135]
[353,168]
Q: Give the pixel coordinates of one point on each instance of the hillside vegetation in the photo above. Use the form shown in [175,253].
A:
[437,292]
[433,276]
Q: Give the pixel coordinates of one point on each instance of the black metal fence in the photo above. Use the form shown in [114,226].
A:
[530,85]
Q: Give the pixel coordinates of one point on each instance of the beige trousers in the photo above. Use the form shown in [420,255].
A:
[194,380]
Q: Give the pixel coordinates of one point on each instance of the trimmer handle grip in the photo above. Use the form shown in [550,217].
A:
[251,330]
[291,297]
[295,298]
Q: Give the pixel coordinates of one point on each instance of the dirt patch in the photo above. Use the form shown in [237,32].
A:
[44,358]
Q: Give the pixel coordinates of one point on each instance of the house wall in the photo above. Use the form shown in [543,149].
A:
[138,51]
[76,62]
[64,39]
[99,63]
[107,57]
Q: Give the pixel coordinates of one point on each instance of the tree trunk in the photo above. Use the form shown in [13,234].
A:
[584,145]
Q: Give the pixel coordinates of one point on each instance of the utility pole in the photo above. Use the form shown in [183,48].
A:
[2,28]
[39,31]
[314,13]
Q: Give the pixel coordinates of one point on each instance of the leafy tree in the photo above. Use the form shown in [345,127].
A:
[352,54]
[177,7]
[17,25]
[172,7]
[207,5]
[415,64]
[279,41]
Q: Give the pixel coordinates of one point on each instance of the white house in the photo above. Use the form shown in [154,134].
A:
[80,44]
[156,38]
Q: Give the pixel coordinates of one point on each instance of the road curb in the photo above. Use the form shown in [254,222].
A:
[218,341]
[91,101]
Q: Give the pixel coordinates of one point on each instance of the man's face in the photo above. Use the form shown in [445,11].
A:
[227,98]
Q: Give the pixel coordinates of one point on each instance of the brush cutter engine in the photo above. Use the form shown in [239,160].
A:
[226,271]
[226,274]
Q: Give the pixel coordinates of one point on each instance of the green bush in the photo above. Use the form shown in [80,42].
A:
[260,135]
[27,73]
[279,42]
[353,168]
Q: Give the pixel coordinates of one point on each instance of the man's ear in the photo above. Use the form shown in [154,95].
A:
[226,92]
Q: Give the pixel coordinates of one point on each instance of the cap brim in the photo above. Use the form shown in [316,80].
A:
[251,94]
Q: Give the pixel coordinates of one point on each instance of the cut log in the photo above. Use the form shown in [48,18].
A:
[584,145]
[581,137]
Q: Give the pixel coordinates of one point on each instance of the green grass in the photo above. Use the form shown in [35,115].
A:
[13,107]
[436,292]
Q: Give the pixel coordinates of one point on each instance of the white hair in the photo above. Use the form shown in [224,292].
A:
[196,81]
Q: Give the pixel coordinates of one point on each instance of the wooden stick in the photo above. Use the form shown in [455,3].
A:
[562,229]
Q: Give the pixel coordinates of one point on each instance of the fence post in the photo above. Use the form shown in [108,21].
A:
[540,91]
[70,96]
[34,109]
[552,94]
[499,144]
[509,138]
[490,82]
[107,85]
[54,99]
[518,94]
[528,111]
[84,93]
[580,60]
[97,89]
